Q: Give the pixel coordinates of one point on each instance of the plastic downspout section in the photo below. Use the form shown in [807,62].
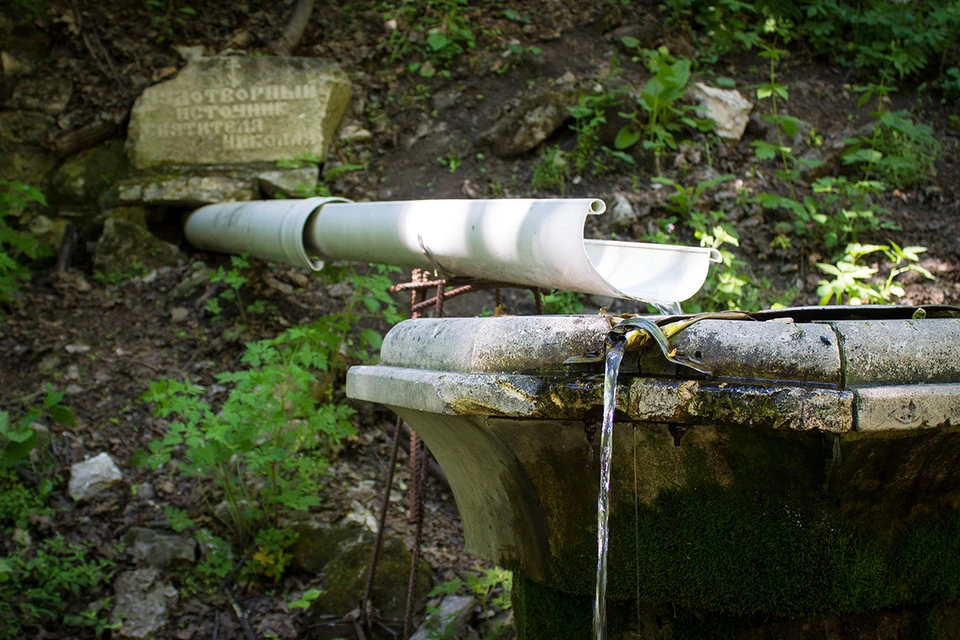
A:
[268,229]
[522,241]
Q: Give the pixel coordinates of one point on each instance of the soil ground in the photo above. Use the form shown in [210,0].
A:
[418,125]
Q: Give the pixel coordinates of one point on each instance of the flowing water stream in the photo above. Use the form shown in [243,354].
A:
[615,345]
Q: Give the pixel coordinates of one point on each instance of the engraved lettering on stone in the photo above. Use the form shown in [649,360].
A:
[234,116]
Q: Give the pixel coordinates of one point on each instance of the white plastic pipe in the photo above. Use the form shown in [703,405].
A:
[525,242]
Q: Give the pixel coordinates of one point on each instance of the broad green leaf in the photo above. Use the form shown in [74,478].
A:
[626,138]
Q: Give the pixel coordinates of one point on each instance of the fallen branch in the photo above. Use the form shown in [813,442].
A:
[293,32]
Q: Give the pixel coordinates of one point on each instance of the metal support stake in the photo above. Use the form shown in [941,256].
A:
[365,604]
[419,479]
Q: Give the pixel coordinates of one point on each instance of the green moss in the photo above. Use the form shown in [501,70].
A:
[346,579]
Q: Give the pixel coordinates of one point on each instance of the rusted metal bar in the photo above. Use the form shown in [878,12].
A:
[419,479]
[365,605]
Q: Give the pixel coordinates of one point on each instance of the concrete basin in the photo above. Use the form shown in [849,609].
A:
[808,488]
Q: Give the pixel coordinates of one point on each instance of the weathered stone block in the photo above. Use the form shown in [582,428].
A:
[237,111]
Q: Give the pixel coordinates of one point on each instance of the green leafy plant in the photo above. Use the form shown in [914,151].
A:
[551,170]
[660,101]
[15,244]
[884,40]
[563,302]
[684,200]
[435,31]
[837,213]
[899,152]
[116,278]
[589,116]
[491,587]
[18,439]
[38,585]
[234,280]
[855,281]
[263,451]
[303,602]
[167,16]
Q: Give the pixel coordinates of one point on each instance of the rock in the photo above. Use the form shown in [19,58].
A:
[48,95]
[288,182]
[26,127]
[531,123]
[145,491]
[235,110]
[25,163]
[346,578]
[133,215]
[12,65]
[647,35]
[189,53]
[729,109]
[621,210]
[193,282]
[90,477]
[318,543]
[83,177]
[184,190]
[179,315]
[449,621]
[143,603]
[353,132]
[160,550]
[48,230]
[124,246]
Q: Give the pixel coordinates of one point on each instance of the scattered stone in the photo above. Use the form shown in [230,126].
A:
[13,66]
[73,373]
[49,363]
[90,477]
[346,578]
[179,315]
[530,124]
[277,625]
[282,287]
[25,162]
[73,349]
[259,109]
[145,491]
[185,191]
[729,109]
[48,95]
[191,284]
[133,215]
[85,176]
[125,246]
[353,132]
[73,390]
[449,621]
[288,182]
[189,53]
[25,127]
[143,603]
[318,543]
[621,210]
[160,550]
[48,230]
[647,35]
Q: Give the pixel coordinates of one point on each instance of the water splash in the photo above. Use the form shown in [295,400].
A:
[616,343]
[668,308]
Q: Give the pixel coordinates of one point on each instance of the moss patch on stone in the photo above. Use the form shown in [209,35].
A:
[346,579]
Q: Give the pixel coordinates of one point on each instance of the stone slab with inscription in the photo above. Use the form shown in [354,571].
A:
[236,110]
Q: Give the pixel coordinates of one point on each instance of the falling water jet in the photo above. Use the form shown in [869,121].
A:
[615,344]
[668,308]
